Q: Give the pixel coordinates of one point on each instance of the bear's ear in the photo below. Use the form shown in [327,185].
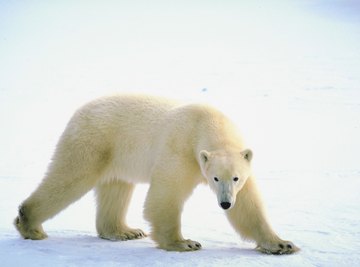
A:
[247,154]
[204,156]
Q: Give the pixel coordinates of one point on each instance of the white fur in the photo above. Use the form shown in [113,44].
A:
[115,142]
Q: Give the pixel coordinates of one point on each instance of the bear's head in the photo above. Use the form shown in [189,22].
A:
[226,172]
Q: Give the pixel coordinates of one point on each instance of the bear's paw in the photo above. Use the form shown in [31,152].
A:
[27,232]
[278,248]
[182,246]
[123,235]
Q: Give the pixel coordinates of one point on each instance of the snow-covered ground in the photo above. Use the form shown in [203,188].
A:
[288,72]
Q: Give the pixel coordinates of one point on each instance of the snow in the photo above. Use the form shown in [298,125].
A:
[287,72]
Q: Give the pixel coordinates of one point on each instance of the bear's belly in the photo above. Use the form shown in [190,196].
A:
[129,167]
[132,172]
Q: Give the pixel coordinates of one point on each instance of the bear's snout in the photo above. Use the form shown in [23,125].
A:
[225,205]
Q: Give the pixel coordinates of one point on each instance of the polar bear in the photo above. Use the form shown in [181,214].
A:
[115,142]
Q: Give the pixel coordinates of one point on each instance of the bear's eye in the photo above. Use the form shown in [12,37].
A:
[236,179]
[216,179]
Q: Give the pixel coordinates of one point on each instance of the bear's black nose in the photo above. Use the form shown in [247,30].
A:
[225,205]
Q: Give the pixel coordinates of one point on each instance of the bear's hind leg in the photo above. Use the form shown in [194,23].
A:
[56,192]
[113,199]
[74,171]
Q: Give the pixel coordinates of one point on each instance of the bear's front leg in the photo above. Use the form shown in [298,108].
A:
[248,218]
[163,209]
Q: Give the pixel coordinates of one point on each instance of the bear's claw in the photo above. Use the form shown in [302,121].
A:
[278,248]
[182,246]
[127,234]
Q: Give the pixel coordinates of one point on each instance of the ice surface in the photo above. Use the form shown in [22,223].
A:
[287,72]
